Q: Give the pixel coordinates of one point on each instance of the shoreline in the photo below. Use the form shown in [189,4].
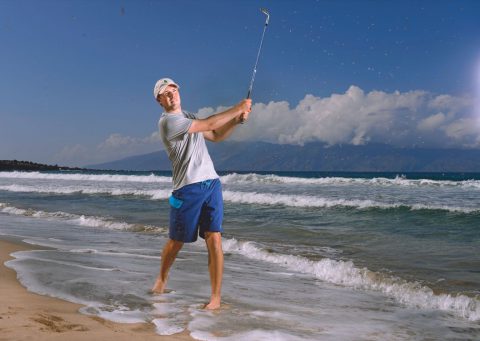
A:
[28,316]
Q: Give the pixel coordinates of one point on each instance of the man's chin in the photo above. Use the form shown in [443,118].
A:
[173,110]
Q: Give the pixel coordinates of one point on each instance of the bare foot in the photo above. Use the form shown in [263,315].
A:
[158,287]
[213,304]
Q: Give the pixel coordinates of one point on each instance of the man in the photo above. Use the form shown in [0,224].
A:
[196,203]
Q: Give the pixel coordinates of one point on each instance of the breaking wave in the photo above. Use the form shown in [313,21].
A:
[153,194]
[255,198]
[249,178]
[399,180]
[152,178]
[82,220]
[345,273]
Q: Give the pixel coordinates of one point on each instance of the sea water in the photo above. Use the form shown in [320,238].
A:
[308,256]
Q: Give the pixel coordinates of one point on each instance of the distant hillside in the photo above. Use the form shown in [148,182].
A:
[14,165]
[151,161]
[261,156]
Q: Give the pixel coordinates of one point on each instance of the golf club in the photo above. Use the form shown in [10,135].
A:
[264,11]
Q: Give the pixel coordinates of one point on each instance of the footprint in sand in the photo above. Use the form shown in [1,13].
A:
[57,324]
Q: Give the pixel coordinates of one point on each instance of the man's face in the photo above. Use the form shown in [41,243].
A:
[170,98]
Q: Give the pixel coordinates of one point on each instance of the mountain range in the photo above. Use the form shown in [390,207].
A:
[316,156]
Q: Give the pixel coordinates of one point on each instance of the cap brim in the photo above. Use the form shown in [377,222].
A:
[163,87]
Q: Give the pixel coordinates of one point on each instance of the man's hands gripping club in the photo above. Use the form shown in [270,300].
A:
[246,111]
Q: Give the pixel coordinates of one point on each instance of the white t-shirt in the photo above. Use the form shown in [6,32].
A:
[189,155]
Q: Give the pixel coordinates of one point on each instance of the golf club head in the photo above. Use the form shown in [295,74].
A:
[265,11]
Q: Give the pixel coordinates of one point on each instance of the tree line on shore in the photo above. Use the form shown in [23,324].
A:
[15,165]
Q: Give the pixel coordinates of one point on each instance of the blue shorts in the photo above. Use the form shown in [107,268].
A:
[195,208]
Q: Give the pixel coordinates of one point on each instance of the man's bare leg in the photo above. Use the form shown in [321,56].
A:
[169,253]
[215,267]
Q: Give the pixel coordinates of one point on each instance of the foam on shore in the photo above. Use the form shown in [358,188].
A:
[347,274]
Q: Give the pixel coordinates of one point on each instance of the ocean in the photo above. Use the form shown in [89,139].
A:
[308,256]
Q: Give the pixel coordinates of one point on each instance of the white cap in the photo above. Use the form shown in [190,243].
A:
[161,85]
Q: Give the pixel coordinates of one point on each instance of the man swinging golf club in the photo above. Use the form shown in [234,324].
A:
[196,203]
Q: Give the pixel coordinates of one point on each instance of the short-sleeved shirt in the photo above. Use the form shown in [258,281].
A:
[188,153]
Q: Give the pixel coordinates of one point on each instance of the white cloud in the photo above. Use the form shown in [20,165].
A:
[355,117]
[447,102]
[114,147]
[115,141]
[205,112]
[432,122]
[462,128]
[72,155]
[398,118]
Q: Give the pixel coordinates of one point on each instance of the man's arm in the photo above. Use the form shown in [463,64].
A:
[219,120]
[223,132]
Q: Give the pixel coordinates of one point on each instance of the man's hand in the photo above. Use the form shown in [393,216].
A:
[245,107]
[243,117]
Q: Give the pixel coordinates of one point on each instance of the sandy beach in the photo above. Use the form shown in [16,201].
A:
[28,316]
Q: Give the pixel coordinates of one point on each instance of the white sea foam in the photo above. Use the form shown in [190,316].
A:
[314,201]
[345,273]
[271,315]
[152,178]
[256,334]
[35,256]
[84,250]
[32,283]
[456,209]
[249,178]
[121,315]
[248,198]
[166,327]
[300,200]
[130,255]
[41,189]
[153,194]
[82,220]
[165,309]
[399,180]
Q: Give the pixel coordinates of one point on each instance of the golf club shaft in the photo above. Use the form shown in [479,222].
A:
[264,11]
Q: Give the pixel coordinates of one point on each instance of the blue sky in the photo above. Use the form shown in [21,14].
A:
[76,77]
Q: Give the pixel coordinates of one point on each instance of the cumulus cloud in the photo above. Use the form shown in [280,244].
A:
[72,155]
[127,144]
[461,128]
[413,118]
[431,122]
[114,147]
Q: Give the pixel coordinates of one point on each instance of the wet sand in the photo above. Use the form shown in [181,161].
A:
[28,316]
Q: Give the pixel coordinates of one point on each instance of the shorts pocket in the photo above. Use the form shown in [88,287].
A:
[175,202]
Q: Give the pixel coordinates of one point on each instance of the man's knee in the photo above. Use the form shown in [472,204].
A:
[213,240]
[213,235]
[174,245]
